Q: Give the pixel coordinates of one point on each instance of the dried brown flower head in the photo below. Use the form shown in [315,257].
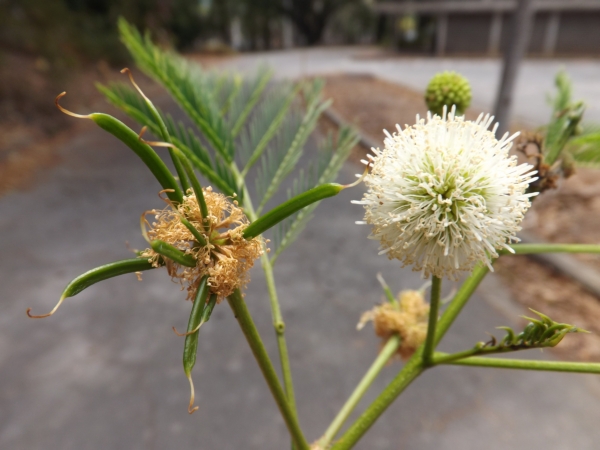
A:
[226,257]
[408,319]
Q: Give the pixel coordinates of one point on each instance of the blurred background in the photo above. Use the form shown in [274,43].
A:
[105,373]
[46,44]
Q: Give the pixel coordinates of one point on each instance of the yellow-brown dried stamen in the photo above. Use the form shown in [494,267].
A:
[227,256]
[408,320]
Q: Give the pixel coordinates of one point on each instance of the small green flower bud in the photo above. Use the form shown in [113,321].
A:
[448,88]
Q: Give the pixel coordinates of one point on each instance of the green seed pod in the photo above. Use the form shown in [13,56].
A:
[96,275]
[191,337]
[289,207]
[132,140]
[169,251]
[448,89]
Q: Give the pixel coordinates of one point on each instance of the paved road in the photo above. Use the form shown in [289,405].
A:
[105,371]
[535,81]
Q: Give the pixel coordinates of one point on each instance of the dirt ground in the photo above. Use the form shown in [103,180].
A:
[32,130]
[31,127]
[568,214]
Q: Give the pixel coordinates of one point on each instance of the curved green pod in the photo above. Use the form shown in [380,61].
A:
[190,347]
[96,275]
[191,339]
[144,151]
[105,272]
[291,206]
[209,308]
[163,130]
[169,251]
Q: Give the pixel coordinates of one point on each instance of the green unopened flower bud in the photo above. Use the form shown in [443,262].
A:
[448,88]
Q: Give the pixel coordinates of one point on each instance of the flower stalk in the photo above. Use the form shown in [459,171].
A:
[241,313]
[279,326]
[278,323]
[531,249]
[434,304]
[389,349]
[414,367]
[411,370]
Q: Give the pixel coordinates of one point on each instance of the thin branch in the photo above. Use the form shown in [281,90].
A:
[527,364]
[238,306]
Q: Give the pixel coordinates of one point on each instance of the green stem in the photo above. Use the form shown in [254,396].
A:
[526,364]
[434,304]
[386,353]
[278,323]
[413,368]
[528,249]
[279,326]
[238,306]
[459,301]
[448,358]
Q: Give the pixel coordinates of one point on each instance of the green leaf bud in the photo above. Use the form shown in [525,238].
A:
[447,89]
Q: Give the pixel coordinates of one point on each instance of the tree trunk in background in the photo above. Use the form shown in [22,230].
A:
[520,34]
[309,19]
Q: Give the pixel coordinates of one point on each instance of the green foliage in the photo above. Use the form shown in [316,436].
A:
[66,31]
[249,94]
[236,119]
[585,148]
[311,17]
[184,138]
[566,117]
[278,163]
[143,151]
[324,170]
[539,333]
[265,123]
[186,83]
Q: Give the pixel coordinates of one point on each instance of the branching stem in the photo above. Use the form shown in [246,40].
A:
[279,326]
[384,356]
[413,368]
[278,323]
[526,364]
[529,249]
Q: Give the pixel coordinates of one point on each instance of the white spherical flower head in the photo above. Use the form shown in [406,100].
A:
[444,194]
